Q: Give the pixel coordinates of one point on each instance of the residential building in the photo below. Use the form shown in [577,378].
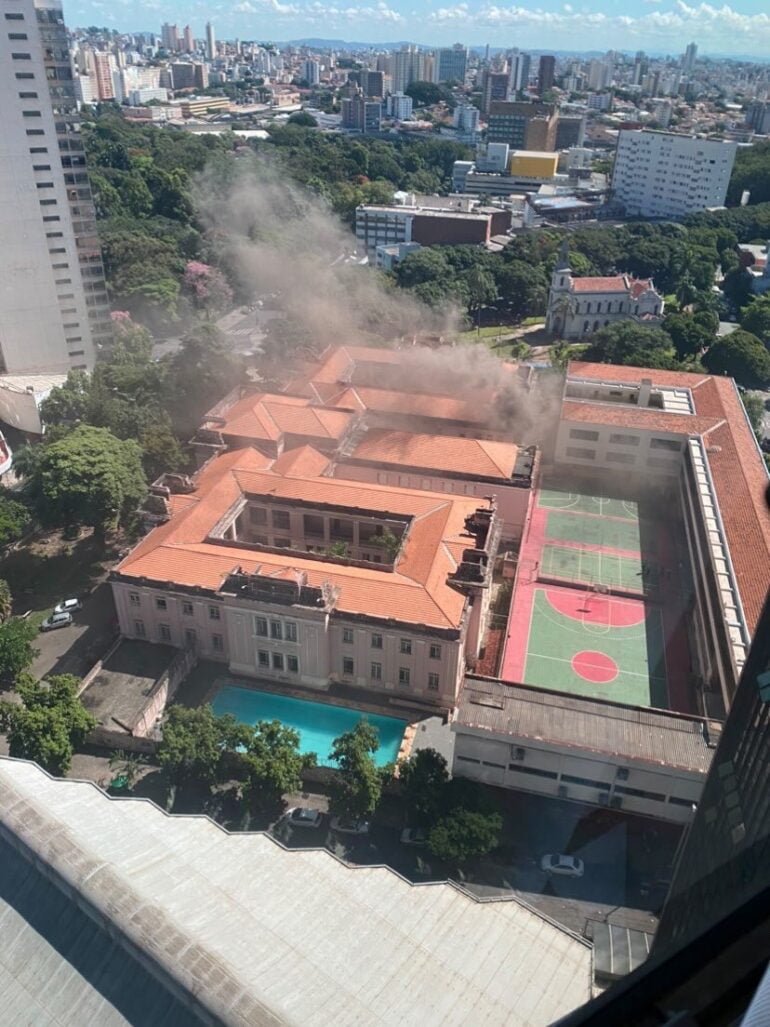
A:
[519,68]
[54,314]
[570,131]
[578,307]
[311,72]
[523,126]
[466,121]
[182,75]
[381,225]
[169,35]
[399,106]
[546,74]
[495,89]
[689,58]
[758,117]
[599,101]
[211,41]
[665,175]
[373,84]
[361,115]
[104,67]
[409,64]
[140,96]
[451,63]
[188,42]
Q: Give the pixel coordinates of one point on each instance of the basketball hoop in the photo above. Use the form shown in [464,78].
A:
[599,589]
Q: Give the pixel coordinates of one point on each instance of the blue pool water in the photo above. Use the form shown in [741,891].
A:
[318,723]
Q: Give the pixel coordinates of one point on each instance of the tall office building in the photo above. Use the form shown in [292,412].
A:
[519,72]
[689,57]
[546,73]
[451,63]
[54,312]
[523,126]
[169,37]
[665,175]
[373,83]
[188,41]
[211,41]
[495,89]
[725,858]
[311,72]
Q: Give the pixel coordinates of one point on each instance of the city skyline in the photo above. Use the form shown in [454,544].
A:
[660,25]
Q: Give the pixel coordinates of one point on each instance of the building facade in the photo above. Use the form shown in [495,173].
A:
[54,314]
[361,115]
[523,126]
[451,63]
[380,225]
[546,73]
[665,175]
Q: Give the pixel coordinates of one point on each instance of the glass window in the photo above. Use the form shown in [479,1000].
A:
[187,609]
[258,515]
[582,454]
[376,674]
[214,613]
[348,667]
[190,636]
[435,652]
[347,636]
[433,682]
[217,643]
[260,626]
[671,444]
[134,598]
[403,675]
[164,632]
[292,664]
[280,519]
[277,661]
[583,433]
[406,646]
[276,630]
[161,604]
[376,641]
[139,628]
[290,631]
[263,658]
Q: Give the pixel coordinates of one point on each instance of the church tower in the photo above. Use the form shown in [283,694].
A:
[558,297]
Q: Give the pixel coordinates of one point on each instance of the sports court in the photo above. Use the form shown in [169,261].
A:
[590,613]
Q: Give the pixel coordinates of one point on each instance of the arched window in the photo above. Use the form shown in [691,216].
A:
[585,325]
[588,308]
[596,326]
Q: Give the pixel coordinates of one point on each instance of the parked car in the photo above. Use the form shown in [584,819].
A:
[414,836]
[56,620]
[566,866]
[67,606]
[343,825]
[303,816]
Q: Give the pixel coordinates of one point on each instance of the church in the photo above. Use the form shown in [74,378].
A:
[578,307]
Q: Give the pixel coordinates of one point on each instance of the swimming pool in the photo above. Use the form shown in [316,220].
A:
[318,723]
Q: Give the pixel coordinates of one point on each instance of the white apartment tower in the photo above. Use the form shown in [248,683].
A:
[54,312]
[211,41]
[665,175]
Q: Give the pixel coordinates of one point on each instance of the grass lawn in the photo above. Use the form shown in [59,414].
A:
[539,320]
[488,332]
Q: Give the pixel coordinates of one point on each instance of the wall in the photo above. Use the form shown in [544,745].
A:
[429,230]
[608,453]
[547,769]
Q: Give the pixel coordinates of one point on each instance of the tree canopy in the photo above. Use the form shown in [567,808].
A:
[357,785]
[273,763]
[742,356]
[463,834]
[193,744]
[424,778]
[48,723]
[16,649]
[626,342]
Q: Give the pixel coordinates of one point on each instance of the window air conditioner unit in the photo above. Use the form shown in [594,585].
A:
[517,753]
[622,774]
[563,791]
[616,802]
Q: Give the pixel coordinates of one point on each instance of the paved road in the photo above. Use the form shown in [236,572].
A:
[245,331]
[75,649]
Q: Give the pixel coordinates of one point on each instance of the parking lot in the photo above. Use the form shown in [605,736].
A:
[75,648]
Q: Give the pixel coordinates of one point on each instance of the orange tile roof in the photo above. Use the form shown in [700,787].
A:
[304,461]
[438,452]
[616,283]
[736,465]
[415,404]
[266,416]
[336,361]
[415,592]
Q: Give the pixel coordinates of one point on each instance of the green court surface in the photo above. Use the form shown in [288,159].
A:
[578,502]
[589,530]
[588,567]
[570,653]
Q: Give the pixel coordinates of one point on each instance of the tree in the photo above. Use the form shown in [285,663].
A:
[200,373]
[742,356]
[626,342]
[423,778]
[16,650]
[755,318]
[357,785]
[6,601]
[754,405]
[88,478]
[736,285]
[273,764]
[14,518]
[126,767]
[688,334]
[481,291]
[161,451]
[463,834]
[48,723]
[193,744]
[304,119]
[207,287]
[523,289]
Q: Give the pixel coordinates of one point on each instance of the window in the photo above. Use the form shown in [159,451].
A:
[583,433]
[260,626]
[404,676]
[14,17]
[32,96]
[348,666]
[276,630]
[406,646]
[161,604]
[621,458]
[433,682]
[277,661]
[187,609]
[35,132]
[670,444]
[280,519]
[139,630]
[640,793]
[134,598]
[214,613]
[282,543]
[533,771]
[31,114]
[257,515]
[190,636]
[263,658]
[21,57]
[681,802]
[290,631]
[347,636]
[292,664]
[585,781]
[24,74]
[624,440]
[164,631]
[435,652]
[376,641]
[376,672]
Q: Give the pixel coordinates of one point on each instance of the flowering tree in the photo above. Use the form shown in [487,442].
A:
[207,287]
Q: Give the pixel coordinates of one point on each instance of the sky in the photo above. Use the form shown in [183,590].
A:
[659,26]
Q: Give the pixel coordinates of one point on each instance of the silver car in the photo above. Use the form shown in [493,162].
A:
[56,620]
[565,866]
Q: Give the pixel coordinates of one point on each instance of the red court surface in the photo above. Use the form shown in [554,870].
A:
[595,666]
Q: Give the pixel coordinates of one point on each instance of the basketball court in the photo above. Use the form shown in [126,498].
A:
[588,614]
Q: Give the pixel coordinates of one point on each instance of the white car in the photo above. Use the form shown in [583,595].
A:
[56,620]
[414,836]
[566,866]
[67,606]
[303,816]
[345,826]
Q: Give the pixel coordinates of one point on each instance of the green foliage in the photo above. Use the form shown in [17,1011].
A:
[200,373]
[755,318]
[424,778]
[6,601]
[194,741]
[463,834]
[340,549]
[273,763]
[751,171]
[14,518]
[357,785]
[742,356]
[16,649]
[48,723]
[754,405]
[523,289]
[89,477]
[426,94]
[690,334]
[126,767]
[304,119]
[627,342]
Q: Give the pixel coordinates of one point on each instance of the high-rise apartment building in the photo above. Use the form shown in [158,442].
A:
[169,37]
[523,126]
[689,57]
[104,70]
[211,41]
[409,65]
[546,74]
[188,41]
[495,89]
[400,106]
[665,175]
[373,83]
[54,313]
[518,72]
[451,63]
[361,114]
[311,72]
[758,117]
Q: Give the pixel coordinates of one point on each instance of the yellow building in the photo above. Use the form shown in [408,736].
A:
[198,105]
[533,164]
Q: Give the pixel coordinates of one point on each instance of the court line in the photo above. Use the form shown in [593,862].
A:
[629,673]
[574,620]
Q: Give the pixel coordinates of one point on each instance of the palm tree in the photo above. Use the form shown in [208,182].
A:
[126,768]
